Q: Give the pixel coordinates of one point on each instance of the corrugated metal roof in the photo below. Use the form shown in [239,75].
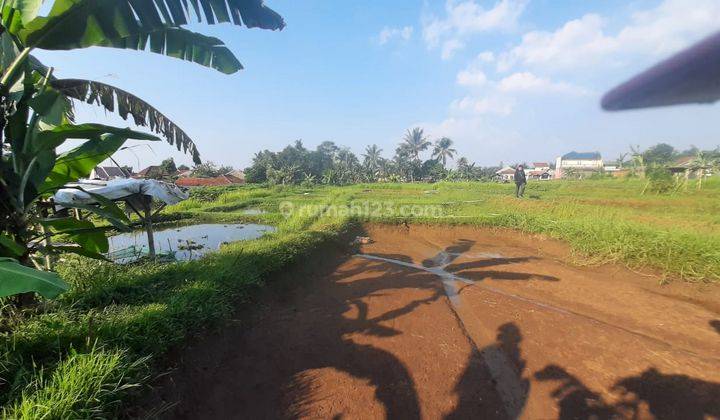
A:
[582,156]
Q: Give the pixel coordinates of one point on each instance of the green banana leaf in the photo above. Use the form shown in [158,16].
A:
[52,138]
[82,232]
[180,43]
[85,23]
[128,105]
[79,162]
[22,10]
[8,245]
[75,249]
[16,278]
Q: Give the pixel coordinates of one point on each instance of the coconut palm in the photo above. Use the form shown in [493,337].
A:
[416,142]
[372,156]
[36,111]
[443,150]
[465,169]
[413,144]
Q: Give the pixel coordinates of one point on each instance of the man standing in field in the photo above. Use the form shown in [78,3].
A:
[520,181]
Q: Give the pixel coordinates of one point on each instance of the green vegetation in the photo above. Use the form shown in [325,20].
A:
[37,116]
[85,353]
[78,356]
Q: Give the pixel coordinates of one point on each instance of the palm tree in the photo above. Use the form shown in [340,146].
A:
[465,168]
[443,150]
[416,142]
[372,156]
[37,117]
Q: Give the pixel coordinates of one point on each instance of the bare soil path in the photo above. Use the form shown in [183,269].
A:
[459,322]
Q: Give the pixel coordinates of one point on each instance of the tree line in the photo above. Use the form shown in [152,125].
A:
[415,158]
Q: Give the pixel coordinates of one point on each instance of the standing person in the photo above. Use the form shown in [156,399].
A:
[520,181]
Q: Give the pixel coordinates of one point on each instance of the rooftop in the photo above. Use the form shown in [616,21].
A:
[582,156]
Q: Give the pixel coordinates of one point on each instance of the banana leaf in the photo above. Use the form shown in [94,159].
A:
[85,23]
[16,278]
[82,232]
[79,162]
[8,245]
[182,44]
[142,113]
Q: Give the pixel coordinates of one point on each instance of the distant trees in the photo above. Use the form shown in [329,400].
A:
[168,166]
[660,154]
[209,169]
[658,163]
[336,165]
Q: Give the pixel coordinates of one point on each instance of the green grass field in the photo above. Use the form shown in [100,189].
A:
[86,353]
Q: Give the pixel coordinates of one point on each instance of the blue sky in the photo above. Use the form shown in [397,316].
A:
[507,80]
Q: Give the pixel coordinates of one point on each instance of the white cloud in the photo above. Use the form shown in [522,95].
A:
[476,138]
[526,82]
[584,42]
[465,18]
[471,105]
[471,77]
[450,47]
[387,34]
[486,56]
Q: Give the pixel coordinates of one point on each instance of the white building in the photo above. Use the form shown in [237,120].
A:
[579,162]
[505,174]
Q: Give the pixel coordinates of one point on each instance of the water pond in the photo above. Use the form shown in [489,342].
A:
[186,242]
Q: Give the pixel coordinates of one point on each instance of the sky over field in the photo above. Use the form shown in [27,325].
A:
[508,80]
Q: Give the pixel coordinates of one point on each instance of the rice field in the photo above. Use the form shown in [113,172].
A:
[88,353]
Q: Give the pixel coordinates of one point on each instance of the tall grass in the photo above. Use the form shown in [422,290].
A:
[83,385]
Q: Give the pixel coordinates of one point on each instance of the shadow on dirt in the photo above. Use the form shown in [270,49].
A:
[715,323]
[664,396]
[335,323]
[504,361]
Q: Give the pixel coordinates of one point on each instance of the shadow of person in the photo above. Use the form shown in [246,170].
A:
[499,366]
[715,323]
[672,396]
[576,401]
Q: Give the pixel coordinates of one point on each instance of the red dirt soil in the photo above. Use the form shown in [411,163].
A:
[527,335]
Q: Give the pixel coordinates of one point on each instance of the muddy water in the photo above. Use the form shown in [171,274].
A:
[190,242]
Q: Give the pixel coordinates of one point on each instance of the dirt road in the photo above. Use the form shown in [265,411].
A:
[462,323]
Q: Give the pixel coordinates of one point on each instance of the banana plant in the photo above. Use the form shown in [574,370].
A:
[36,114]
